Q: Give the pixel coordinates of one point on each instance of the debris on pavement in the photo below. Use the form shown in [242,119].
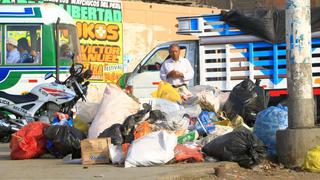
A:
[160,131]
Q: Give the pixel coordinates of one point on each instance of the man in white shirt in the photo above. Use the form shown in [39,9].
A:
[177,71]
[13,55]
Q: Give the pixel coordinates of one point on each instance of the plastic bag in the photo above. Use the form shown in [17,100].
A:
[153,149]
[268,122]
[82,126]
[116,155]
[208,97]
[312,160]
[166,91]
[29,142]
[204,125]
[162,104]
[142,130]
[268,24]
[64,140]
[246,99]
[191,136]
[131,121]
[115,107]
[182,153]
[62,119]
[115,132]
[177,120]
[86,111]
[219,131]
[239,146]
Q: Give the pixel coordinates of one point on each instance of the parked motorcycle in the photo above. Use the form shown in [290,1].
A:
[43,101]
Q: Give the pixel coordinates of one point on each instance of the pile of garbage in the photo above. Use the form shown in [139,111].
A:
[210,126]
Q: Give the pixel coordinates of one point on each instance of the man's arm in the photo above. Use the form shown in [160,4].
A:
[163,73]
[190,72]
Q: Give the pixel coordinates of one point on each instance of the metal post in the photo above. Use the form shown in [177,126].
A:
[299,64]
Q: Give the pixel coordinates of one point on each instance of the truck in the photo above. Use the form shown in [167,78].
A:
[47,35]
[223,56]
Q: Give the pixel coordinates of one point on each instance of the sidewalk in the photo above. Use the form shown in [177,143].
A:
[55,169]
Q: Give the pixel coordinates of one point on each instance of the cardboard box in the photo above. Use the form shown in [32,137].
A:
[95,151]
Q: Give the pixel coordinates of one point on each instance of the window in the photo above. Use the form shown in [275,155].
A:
[1,44]
[68,42]
[23,44]
[156,60]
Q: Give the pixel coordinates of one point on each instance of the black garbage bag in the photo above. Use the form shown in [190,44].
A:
[257,104]
[131,121]
[115,132]
[268,24]
[156,115]
[242,147]
[64,140]
[246,99]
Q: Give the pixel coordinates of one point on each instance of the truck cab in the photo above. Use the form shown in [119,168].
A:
[145,78]
[223,57]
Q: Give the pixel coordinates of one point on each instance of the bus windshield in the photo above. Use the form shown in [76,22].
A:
[68,42]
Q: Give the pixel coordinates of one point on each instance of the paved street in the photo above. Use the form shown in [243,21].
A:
[56,169]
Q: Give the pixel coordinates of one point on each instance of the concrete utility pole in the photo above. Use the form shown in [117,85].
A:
[301,135]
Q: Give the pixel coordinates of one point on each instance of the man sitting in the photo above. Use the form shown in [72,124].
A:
[13,55]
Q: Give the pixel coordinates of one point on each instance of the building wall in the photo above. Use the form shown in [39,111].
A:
[147,24]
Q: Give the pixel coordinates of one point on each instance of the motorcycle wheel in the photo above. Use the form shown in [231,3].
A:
[5,139]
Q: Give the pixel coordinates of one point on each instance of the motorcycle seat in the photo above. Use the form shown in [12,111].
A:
[19,98]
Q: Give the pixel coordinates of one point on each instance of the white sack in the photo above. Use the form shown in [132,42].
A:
[161,104]
[115,154]
[115,107]
[153,149]
[86,111]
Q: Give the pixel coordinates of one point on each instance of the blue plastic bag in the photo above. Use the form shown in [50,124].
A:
[204,124]
[62,122]
[268,122]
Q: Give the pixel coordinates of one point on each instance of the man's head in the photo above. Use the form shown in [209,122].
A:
[11,44]
[174,51]
[23,45]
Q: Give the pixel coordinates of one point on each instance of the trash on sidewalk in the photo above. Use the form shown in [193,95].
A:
[69,160]
[246,99]
[115,154]
[153,149]
[115,107]
[86,111]
[191,136]
[115,133]
[239,146]
[62,119]
[205,121]
[312,160]
[268,122]
[95,151]
[142,130]
[64,140]
[184,153]
[29,142]
[81,125]
[219,131]
[166,91]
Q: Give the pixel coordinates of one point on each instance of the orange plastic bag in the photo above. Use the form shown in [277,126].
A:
[29,142]
[125,148]
[142,130]
[182,153]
